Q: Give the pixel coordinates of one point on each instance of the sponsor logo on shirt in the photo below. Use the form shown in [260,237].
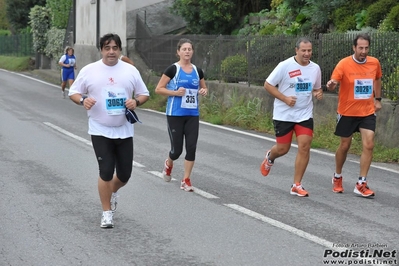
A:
[295,73]
[111,94]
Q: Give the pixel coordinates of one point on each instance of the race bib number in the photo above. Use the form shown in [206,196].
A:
[303,86]
[189,100]
[115,101]
[71,61]
[363,88]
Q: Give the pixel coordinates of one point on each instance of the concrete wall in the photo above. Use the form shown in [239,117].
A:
[119,16]
[112,19]
[86,23]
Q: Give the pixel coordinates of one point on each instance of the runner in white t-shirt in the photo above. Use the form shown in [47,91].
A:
[293,83]
[105,88]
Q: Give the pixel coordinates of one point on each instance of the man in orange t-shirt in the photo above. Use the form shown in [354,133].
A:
[359,99]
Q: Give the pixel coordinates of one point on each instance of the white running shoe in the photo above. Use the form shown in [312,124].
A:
[107,219]
[63,94]
[114,201]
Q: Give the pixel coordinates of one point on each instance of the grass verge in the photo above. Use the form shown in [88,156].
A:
[16,63]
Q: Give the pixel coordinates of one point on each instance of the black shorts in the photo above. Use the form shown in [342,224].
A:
[347,125]
[284,130]
[113,154]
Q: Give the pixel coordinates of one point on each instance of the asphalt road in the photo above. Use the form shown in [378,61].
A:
[50,209]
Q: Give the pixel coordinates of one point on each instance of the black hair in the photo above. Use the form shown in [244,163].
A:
[107,38]
[362,36]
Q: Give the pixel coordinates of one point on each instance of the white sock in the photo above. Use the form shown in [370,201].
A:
[362,179]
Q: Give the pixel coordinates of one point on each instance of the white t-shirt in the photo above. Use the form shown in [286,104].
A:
[294,79]
[111,86]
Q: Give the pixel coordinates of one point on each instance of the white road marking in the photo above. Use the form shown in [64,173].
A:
[196,190]
[63,131]
[204,194]
[85,141]
[283,226]
[291,229]
[159,174]
[136,164]
[35,79]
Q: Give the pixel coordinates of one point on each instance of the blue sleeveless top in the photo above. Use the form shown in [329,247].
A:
[188,104]
[70,59]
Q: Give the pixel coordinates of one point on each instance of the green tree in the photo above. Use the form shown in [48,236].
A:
[377,12]
[319,13]
[59,12]
[391,22]
[18,13]
[215,16]
[207,16]
[3,16]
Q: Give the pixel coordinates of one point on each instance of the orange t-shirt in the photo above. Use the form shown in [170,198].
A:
[357,81]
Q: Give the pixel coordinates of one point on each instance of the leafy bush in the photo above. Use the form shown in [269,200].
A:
[208,16]
[5,32]
[275,3]
[392,20]
[40,23]
[3,15]
[234,68]
[344,19]
[361,19]
[377,12]
[268,29]
[390,85]
[55,40]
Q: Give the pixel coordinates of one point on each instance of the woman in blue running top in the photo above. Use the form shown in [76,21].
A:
[182,82]
[68,64]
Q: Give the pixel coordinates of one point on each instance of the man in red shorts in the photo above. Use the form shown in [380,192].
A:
[293,83]
[359,99]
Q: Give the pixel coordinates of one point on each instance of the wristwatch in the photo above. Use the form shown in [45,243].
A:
[378,99]
[137,102]
[82,99]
